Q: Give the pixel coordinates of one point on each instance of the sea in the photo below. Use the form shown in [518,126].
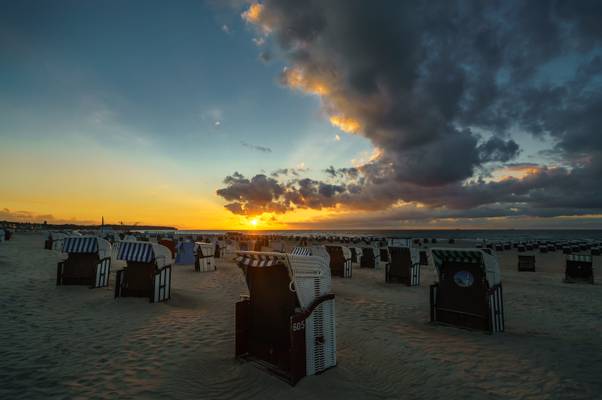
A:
[485,234]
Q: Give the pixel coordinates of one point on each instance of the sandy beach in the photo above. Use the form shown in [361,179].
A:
[74,342]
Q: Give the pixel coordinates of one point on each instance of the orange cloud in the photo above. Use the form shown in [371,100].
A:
[517,171]
[253,14]
[346,124]
[296,78]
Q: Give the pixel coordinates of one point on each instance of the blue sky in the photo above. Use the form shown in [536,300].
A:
[178,97]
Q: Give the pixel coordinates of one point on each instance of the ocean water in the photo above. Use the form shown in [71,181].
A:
[485,234]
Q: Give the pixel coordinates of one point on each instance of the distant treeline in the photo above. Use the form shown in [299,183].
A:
[116,227]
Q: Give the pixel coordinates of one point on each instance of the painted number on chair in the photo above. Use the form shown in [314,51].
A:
[298,326]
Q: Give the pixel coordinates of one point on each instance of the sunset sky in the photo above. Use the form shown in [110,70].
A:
[302,114]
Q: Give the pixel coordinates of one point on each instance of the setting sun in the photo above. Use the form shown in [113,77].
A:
[253,222]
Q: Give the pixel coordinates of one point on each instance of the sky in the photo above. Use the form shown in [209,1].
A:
[287,114]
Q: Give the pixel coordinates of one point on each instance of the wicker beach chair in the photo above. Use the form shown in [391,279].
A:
[404,267]
[340,261]
[148,271]
[88,262]
[526,263]
[204,257]
[287,323]
[369,258]
[579,268]
[469,290]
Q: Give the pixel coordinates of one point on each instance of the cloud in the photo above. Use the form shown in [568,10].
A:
[439,88]
[256,147]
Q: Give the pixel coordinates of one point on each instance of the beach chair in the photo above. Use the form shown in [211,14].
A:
[469,290]
[204,257]
[340,261]
[88,262]
[403,268]
[526,263]
[185,253]
[6,235]
[579,268]
[54,241]
[148,271]
[287,322]
[369,259]
[356,254]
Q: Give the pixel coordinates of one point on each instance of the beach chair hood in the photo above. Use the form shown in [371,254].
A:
[144,252]
[87,245]
[309,275]
[488,261]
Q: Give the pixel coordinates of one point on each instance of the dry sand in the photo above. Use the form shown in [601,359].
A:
[74,342]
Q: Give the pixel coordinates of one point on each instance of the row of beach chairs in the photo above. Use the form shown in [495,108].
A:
[148,265]
[287,321]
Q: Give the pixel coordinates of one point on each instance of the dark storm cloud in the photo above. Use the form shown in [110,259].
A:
[424,80]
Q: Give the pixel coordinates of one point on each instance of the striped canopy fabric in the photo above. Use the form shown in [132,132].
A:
[463,256]
[579,257]
[257,260]
[80,244]
[136,251]
[301,251]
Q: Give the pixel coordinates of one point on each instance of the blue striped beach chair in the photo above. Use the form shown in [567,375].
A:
[88,262]
[148,271]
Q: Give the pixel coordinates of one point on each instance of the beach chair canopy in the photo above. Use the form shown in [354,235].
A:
[206,249]
[145,252]
[87,245]
[309,276]
[488,262]
[57,235]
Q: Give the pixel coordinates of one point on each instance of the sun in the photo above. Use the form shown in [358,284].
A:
[253,222]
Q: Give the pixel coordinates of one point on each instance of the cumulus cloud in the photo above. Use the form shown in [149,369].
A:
[423,80]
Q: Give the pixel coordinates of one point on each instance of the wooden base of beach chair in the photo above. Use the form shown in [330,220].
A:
[305,346]
[409,277]
[144,280]
[526,263]
[85,270]
[485,312]
[579,269]
[205,264]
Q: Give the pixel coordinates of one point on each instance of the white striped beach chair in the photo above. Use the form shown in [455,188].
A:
[204,257]
[404,266]
[287,323]
[340,261]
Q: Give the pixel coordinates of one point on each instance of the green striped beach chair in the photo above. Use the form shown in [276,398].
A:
[468,292]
